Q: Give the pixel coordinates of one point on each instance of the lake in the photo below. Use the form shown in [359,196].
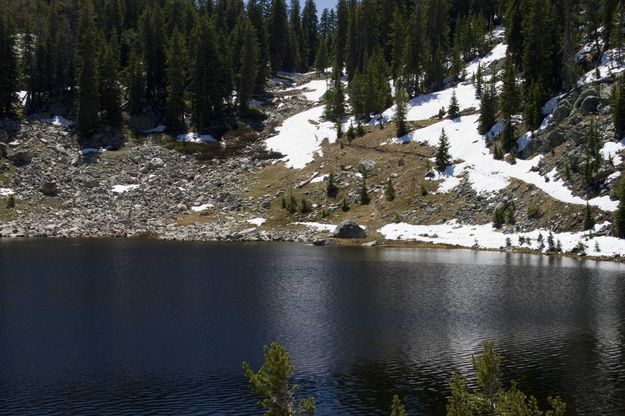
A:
[120,327]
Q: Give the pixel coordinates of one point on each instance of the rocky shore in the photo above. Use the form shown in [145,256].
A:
[138,191]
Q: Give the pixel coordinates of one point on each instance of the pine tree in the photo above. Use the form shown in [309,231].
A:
[619,216]
[311,34]
[176,74]
[479,80]
[454,107]
[592,156]
[341,35]
[322,61]
[272,383]
[589,219]
[365,199]
[278,34]
[88,80]
[208,78]
[533,108]
[135,83]
[335,99]
[401,108]
[509,103]
[255,14]
[443,158]
[389,192]
[8,63]
[488,109]
[248,69]
[618,107]
[332,190]
[110,93]
[397,408]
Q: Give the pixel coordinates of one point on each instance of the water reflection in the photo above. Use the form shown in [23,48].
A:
[154,327]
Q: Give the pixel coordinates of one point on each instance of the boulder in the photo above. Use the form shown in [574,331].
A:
[22,157]
[49,188]
[562,111]
[366,166]
[589,105]
[349,229]
[155,163]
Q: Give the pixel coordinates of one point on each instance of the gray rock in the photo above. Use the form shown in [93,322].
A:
[49,188]
[155,163]
[22,157]
[562,111]
[589,105]
[349,229]
[366,166]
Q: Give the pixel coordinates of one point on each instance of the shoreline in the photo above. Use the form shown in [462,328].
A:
[330,243]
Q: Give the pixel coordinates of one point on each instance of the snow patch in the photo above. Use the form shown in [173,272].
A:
[488,174]
[120,189]
[201,208]
[317,226]
[59,121]
[497,54]
[485,236]
[257,221]
[611,64]
[6,192]
[613,150]
[158,129]
[195,138]
[300,137]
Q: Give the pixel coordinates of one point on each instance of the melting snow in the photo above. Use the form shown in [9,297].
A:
[317,226]
[195,138]
[201,208]
[120,189]
[300,137]
[257,221]
[485,236]
[611,64]
[487,174]
[59,121]
[497,54]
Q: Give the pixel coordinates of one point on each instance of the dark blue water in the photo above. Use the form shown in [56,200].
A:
[161,328]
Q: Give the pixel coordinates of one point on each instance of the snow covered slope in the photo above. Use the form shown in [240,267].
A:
[487,174]
[300,137]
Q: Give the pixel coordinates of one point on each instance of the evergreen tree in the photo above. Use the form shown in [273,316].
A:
[589,219]
[397,408]
[389,192]
[278,34]
[488,109]
[88,80]
[618,107]
[176,75]
[592,156]
[401,108]
[110,94]
[256,16]
[443,158]
[322,61]
[533,108]
[509,103]
[479,80]
[365,199]
[207,87]
[248,70]
[341,35]
[454,107]
[310,30]
[8,63]
[135,83]
[332,189]
[272,383]
[619,216]
[335,99]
